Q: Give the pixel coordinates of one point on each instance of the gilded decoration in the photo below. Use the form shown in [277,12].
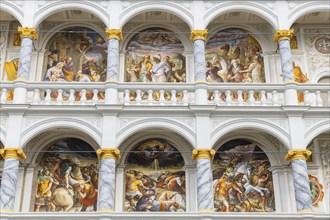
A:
[155,179]
[113,153]
[28,32]
[114,34]
[242,181]
[67,178]
[298,154]
[198,34]
[316,187]
[283,34]
[203,153]
[16,153]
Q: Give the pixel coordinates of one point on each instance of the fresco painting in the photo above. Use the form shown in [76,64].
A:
[242,181]
[155,55]
[155,181]
[67,178]
[232,55]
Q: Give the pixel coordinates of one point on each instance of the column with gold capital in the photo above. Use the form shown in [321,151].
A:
[107,177]
[283,37]
[204,157]
[9,177]
[298,158]
[199,37]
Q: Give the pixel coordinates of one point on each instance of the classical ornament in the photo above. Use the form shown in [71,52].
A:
[113,153]
[317,193]
[298,154]
[16,153]
[283,34]
[198,34]
[28,32]
[114,33]
[203,153]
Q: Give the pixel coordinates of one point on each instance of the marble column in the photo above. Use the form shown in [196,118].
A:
[283,37]
[205,200]
[9,177]
[107,179]
[298,159]
[199,37]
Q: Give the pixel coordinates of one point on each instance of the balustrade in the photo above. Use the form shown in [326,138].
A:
[223,94]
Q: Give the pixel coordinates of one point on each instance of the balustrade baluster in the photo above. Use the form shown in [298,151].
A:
[185,98]
[48,98]
[240,100]
[216,97]
[319,101]
[126,97]
[71,97]
[162,97]
[307,98]
[173,97]
[59,98]
[4,95]
[252,100]
[263,99]
[228,97]
[138,97]
[150,99]
[83,98]
[275,98]
[36,96]
[95,99]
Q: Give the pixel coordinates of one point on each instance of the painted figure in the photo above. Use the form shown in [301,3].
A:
[299,77]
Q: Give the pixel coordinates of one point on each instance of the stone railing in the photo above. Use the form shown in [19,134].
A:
[224,94]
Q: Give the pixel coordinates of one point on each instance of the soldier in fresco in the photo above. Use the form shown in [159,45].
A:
[142,71]
[87,195]
[44,193]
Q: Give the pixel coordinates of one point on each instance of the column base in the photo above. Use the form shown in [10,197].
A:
[206,210]
[306,211]
[6,210]
[105,210]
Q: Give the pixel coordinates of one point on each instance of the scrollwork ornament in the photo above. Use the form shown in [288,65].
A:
[283,34]
[114,34]
[28,32]
[198,34]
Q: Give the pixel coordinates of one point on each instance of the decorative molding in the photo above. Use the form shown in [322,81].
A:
[190,122]
[28,121]
[283,123]
[95,121]
[124,121]
[273,140]
[310,122]
[215,122]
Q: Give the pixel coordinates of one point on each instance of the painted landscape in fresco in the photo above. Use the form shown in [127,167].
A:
[155,181]
[67,178]
[76,55]
[155,55]
[242,181]
[232,55]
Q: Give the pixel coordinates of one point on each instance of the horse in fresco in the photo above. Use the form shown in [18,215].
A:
[62,198]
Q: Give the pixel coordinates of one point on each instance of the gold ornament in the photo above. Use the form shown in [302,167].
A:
[28,32]
[113,153]
[283,34]
[105,210]
[16,153]
[298,154]
[203,153]
[114,33]
[198,34]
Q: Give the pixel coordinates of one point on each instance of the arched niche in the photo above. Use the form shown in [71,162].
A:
[65,169]
[241,178]
[155,55]
[154,178]
[75,54]
[234,55]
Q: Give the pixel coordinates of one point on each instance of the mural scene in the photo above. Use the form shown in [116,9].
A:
[76,54]
[232,55]
[155,180]
[67,178]
[242,181]
[155,55]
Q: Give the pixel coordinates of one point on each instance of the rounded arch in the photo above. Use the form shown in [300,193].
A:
[13,10]
[323,72]
[56,123]
[315,130]
[57,6]
[257,124]
[151,123]
[307,8]
[48,36]
[165,6]
[185,41]
[252,7]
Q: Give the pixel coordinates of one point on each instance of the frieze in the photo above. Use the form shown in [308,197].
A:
[95,121]
[215,122]
[30,121]
[310,122]
[187,121]
[283,123]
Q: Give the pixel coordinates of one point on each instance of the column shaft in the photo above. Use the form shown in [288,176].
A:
[113,60]
[25,58]
[199,60]
[205,200]
[286,60]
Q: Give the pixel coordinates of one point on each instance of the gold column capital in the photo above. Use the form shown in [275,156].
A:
[198,34]
[113,153]
[114,33]
[298,154]
[283,34]
[28,32]
[16,153]
[203,153]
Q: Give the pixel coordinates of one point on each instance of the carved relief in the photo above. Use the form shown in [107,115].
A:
[283,123]
[188,121]
[325,155]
